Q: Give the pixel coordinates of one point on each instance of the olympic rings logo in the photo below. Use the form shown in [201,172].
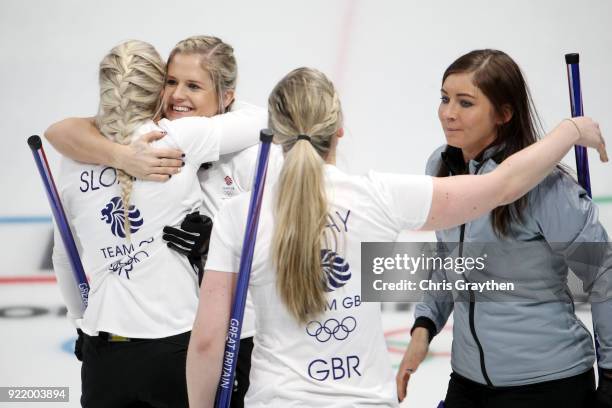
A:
[331,328]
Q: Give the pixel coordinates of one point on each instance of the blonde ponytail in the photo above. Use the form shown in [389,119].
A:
[304,102]
[131,78]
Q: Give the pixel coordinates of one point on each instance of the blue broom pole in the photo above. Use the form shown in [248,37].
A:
[232,343]
[573,81]
[582,160]
[60,216]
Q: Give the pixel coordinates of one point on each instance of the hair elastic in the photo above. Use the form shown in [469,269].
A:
[303,137]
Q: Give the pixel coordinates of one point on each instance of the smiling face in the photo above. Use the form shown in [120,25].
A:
[467,116]
[189,90]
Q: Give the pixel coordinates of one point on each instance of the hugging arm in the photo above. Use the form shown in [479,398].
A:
[80,139]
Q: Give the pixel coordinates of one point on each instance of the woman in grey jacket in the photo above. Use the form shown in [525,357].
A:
[525,349]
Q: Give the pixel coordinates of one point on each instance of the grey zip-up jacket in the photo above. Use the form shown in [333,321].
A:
[518,343]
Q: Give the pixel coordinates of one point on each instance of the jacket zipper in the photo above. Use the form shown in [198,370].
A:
[483,366]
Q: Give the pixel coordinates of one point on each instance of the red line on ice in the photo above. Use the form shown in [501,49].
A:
[35,279]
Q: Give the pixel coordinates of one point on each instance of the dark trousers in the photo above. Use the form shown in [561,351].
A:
[243,368]
[139,373]
[572,392]
[146,373]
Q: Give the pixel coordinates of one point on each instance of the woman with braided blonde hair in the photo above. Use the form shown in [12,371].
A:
[200,81]
[317,344]
[144,296]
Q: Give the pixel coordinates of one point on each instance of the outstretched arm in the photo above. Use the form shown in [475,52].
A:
[459,199]
[79,139]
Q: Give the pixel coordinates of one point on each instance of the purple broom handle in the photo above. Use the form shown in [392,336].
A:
[60,216]
[232,343]
[573,82]
[582,159]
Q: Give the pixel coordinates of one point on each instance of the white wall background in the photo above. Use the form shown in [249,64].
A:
[386,57]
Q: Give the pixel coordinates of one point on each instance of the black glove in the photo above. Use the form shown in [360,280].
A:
[604,390]
[78,346]
[191,240]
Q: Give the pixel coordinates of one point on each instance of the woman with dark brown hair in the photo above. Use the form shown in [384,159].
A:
[531,352]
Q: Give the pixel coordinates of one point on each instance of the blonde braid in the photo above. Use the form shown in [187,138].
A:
[131,78]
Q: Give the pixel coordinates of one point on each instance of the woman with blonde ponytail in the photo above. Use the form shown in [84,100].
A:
[200,81]
[301,202]
[135,330]
[317,344]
